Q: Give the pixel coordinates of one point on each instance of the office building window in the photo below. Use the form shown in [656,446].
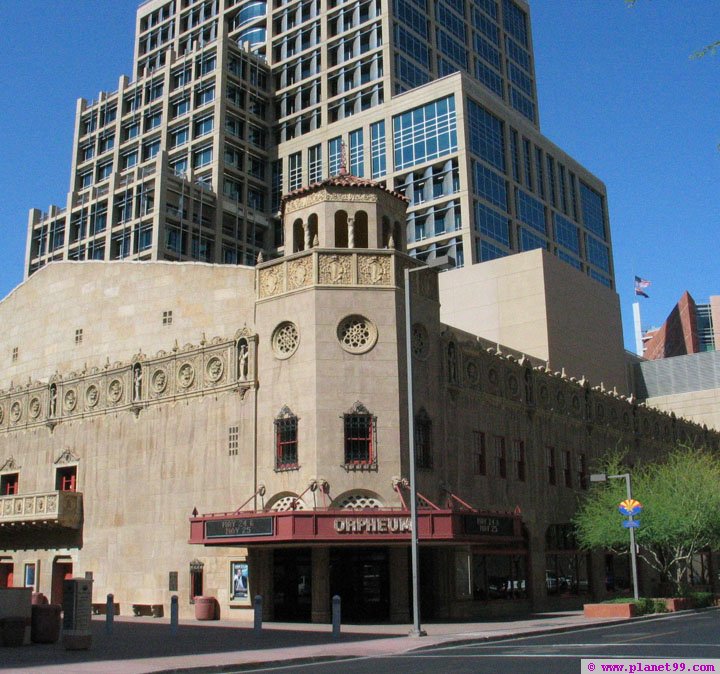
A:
[489,185]
[202,157]
[334,155]
[314,164]
[151,149]
[598,253]
[412,45]
[593,210]
[15,352]
[295,171]
[359,432]
[167,317]
[492,224]
[486,135]
[515,22]
[286,440]
[530,210]
[567,233]
[519,458]
[78,336]
[203,126]
[425,133]
[357,154]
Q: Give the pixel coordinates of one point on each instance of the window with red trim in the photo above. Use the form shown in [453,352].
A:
[286,440]
[66,478]
[360,447]
[9,484]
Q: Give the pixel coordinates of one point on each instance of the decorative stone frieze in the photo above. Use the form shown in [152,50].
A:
[335,269]
[217,365]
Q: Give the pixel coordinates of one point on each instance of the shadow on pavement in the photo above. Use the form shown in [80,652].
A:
[143,640]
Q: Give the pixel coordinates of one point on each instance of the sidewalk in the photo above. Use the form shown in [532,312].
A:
[140,645]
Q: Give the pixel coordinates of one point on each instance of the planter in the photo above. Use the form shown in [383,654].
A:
[206,608]
[45,623]
[679,604]
[13,631]
[610,610]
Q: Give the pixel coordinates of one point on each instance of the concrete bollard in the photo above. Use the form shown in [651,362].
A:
[336,615]
[109,613]
[174,611]
[257,606]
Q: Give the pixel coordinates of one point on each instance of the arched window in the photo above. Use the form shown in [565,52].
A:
[313,226]
[341,230]
[298,236]
[361,230]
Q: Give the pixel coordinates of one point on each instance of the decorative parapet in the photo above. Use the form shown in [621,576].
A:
[192,370]
[53,508]
[334,268]
[527,383]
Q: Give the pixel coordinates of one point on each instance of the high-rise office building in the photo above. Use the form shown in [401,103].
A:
[231,104]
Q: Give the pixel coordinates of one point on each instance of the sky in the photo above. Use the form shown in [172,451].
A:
[617,91]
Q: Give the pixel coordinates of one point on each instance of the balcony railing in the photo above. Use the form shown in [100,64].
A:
[54,508]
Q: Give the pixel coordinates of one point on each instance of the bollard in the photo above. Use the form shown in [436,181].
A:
[109,614]
[336,612]
[258,613]
[174,615]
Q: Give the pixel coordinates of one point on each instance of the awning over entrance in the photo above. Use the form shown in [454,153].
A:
[354,526]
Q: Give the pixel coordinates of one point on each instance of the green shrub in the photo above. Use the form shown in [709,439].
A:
[701,599]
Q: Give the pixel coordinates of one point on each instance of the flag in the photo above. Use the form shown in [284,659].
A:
[640,285]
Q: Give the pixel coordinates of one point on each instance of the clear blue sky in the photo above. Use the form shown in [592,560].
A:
[617,92]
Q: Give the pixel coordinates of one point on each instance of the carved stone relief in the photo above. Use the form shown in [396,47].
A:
[335,270]
[300,273]
[271,281]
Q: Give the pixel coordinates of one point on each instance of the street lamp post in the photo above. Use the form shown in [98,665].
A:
[444,262]
[603,477]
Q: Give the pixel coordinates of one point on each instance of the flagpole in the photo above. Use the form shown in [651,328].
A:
[638,329]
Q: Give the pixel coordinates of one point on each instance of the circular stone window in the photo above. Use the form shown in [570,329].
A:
[357,334]
[285,340]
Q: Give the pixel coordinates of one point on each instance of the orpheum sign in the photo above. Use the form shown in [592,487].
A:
[372,525]
[309,527]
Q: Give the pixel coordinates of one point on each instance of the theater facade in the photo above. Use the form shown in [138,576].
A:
[192,429]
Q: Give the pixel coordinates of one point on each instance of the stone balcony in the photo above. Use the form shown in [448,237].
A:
[52,509]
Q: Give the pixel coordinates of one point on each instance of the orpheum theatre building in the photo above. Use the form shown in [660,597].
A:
[199,430]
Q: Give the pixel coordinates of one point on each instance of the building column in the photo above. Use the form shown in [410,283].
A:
[351,232]
[306,229]
[260,562]
[399,585]
[320,610]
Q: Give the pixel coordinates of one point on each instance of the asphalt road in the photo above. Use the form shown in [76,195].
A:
[695,635]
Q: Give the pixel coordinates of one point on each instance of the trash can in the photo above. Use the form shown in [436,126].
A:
[45,623]
[206,608]
[13,631]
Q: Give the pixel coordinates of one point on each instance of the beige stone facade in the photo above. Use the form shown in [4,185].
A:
[113,441]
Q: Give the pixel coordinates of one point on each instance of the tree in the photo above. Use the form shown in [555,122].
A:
[680,517]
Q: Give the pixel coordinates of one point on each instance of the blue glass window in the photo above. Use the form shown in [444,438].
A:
[514,158]
[551,179]
[489,77]
[410,74]
[453,49]
[486,27]
[486,135]
[522,104]
[530,210]
[567,233]
[411,45]
[377,149]
[445,67]
[492,224]
[357,154]
[450,20]
[490,252]
[519,78]
[425,133]
[411,17]
[593,210]
[489,185]
[530,241]
[515,22]
[486,51]
[334,155]
[598,254]
[517,53]
[569,259]
[600,278]
[489,7]
[539,177]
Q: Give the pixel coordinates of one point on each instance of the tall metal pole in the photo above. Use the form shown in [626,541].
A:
[416,630]
[633,549]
